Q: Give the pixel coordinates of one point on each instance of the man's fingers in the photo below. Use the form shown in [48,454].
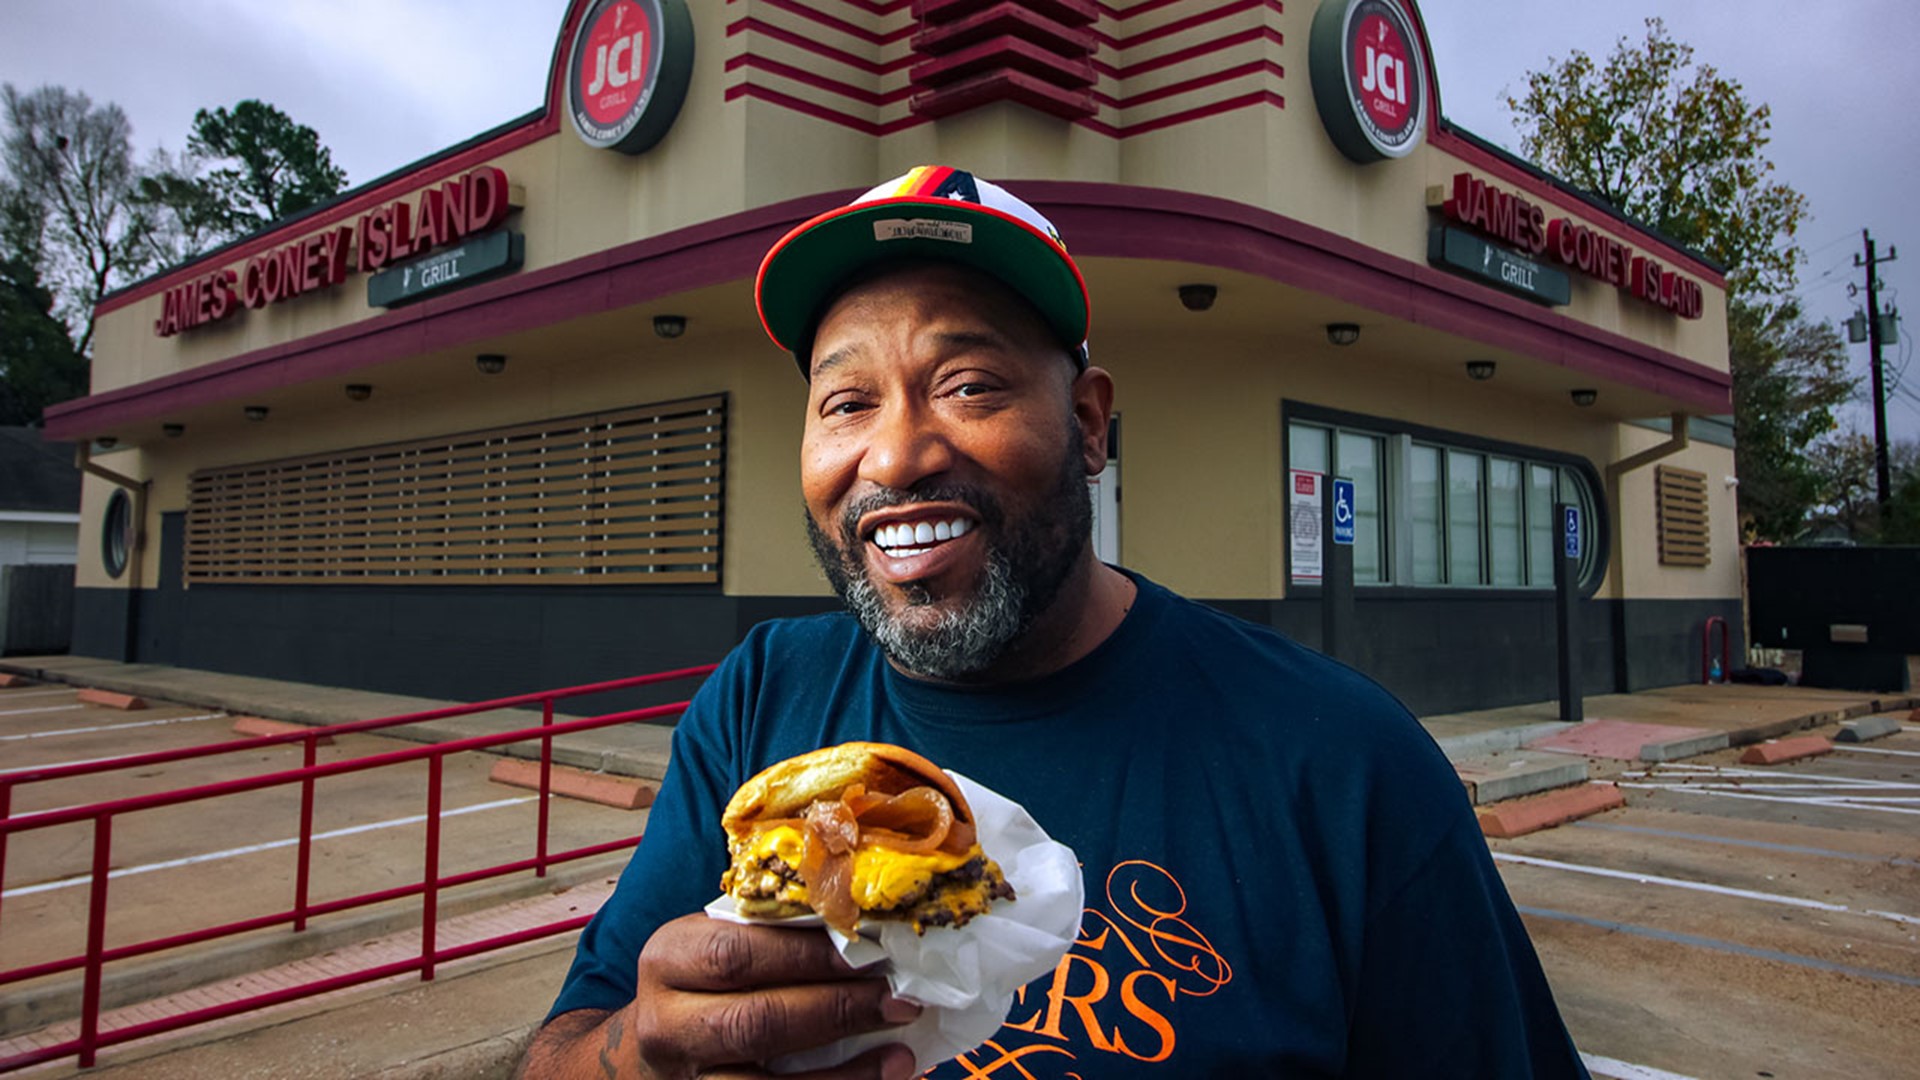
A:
[702,954]
[762,1024]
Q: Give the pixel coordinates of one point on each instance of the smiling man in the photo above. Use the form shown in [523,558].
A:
[1283,875]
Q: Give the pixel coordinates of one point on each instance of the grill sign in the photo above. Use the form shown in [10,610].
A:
[627,72]
[1369,80]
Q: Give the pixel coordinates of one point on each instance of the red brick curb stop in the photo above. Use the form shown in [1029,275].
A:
[1522,816]
[109,699]
[257,725]
[8,680]
[1773,753]
[619,792]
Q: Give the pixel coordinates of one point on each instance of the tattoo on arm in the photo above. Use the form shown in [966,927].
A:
[616,1033]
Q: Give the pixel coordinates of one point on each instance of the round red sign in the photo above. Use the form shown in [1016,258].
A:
[616,47]
[628,70]
[1369,77]
[1381,63]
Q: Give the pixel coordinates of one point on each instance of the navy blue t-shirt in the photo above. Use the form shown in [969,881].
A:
[1283,874]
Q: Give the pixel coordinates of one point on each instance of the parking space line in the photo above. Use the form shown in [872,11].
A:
[251,849]
[1877,750]
[1622,1070]
[43,708]
[1834,802]
[1764,845]
[112,727]
[12,696]
[1677,938]
[1700,886]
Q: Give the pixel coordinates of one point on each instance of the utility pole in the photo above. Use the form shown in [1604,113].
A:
[1882,475]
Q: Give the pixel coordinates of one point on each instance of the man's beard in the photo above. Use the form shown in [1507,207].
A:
[1027,563]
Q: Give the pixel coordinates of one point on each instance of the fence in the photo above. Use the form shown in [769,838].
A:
[96,955]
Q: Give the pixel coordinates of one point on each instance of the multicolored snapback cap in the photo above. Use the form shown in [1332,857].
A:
[933,212]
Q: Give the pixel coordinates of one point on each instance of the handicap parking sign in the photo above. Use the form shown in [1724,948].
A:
[1343,512]
[1572,531]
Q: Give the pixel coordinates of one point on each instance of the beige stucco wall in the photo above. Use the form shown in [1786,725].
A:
[1201,403]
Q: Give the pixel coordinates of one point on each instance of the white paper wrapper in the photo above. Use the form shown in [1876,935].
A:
[965,977]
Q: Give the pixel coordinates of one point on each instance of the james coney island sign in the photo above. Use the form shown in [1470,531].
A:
[627,72]
[1369,76]
[444,214]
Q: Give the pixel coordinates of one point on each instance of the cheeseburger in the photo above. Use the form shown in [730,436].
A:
[857,831]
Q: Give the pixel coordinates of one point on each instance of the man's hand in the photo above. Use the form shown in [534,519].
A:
[716,999]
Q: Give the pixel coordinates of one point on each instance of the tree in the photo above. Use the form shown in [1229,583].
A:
[73,164]
[1789,374]
[38,363]
[1672,145]
[1679,147]
[1843,467]
[242,170]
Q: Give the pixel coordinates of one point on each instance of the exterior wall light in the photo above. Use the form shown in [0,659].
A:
[1480,370]
[490,363]
[1343,333]
[359,391]
[256,412]
[1584,398]
[106,442]
[669,326]
[1198,297]
[173,431]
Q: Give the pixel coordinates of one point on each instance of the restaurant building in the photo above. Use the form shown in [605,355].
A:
[506,419]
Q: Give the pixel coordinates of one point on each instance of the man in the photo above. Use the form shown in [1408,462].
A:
[1283,875]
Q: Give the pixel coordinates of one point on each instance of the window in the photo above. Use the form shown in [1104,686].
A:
[1505,560]
[116,533]
[1463,519]
[1433,512]
[1361,458]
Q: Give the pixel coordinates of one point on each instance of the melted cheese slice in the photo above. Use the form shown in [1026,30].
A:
[882,877]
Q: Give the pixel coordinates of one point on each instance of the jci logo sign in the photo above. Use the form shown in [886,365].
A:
[627,71]
[1369,78]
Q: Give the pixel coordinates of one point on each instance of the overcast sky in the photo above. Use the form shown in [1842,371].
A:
[386,82]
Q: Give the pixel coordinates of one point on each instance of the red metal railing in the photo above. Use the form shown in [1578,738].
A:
[96,956]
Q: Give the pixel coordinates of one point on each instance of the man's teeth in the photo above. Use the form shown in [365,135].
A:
[910,539]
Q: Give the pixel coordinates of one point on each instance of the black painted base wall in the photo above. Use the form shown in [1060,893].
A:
[1439,655]
[1459,653]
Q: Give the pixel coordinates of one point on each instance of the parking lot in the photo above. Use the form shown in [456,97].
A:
[1738,920]
[176,869]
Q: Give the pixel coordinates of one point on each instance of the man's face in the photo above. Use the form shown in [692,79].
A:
[944,465]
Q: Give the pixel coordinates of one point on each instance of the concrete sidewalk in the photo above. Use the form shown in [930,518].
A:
[475,1018]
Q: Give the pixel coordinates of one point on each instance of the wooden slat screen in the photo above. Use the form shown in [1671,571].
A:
[1681,495]
[626,496]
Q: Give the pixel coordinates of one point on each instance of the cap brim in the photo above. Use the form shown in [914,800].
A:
[810,262]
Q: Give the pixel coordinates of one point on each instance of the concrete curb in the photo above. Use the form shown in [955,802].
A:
[1491,780]
[1495,740]
[1873,727]
[489,1059]
[1693,746]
